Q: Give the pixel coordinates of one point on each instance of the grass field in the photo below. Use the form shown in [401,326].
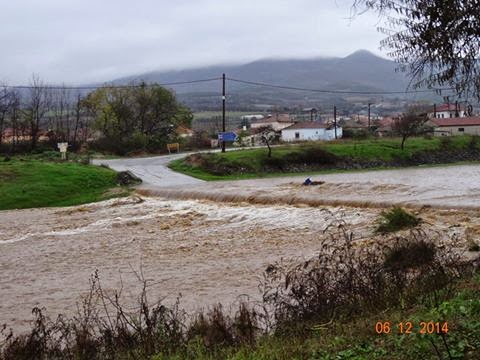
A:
[211,114]
[384,150]
[36,183]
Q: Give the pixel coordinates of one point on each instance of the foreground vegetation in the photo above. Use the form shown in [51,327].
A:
[331,156]
[345,303]
[40,181]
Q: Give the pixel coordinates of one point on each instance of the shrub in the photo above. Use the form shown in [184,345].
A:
[410,255]
[348,280]
[473,143]
[396,219]
[473,246]
[446,143]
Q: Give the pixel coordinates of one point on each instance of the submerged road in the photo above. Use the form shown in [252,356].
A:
[153,171]
[452,186]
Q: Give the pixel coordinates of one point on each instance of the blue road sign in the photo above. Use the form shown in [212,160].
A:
[227,136]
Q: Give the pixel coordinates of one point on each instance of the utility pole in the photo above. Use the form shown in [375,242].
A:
[223,111]
[335,120]
[369,104]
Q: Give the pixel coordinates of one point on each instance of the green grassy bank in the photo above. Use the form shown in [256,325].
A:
[28,183]
[326,156]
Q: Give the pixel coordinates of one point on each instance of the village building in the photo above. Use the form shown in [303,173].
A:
[276,121]
[447,111]
[455,126]
[184,132]
[9,135]
[311,131]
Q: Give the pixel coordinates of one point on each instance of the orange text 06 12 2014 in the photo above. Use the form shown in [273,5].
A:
[410,327]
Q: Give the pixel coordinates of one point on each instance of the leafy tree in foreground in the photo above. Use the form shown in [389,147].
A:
[437,41]
[136,117]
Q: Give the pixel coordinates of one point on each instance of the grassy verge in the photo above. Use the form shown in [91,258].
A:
[29,182]
[342,155]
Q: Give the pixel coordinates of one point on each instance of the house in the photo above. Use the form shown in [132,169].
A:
[447,111]
[9,135]
[276,121]
[384,126]
[310,131]
[455,126]
[184,132]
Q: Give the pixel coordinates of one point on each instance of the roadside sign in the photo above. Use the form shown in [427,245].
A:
[63,149]
[227,136]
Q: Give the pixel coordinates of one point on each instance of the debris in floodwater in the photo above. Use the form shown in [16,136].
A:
[309,181]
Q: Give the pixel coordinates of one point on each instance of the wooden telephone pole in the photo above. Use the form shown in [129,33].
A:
[335,120]
[223,111]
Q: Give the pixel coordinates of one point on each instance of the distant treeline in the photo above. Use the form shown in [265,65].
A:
[136,117]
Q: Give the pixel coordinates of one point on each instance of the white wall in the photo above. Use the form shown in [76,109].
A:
[447,114]
[454,130]
[311,134]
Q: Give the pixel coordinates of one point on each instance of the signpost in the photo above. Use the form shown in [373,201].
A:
[227,136]
[174,146]
[63,149]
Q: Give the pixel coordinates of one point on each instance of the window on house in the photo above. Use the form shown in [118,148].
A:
[297,135]
[443,115]
[461,129]
[451,115]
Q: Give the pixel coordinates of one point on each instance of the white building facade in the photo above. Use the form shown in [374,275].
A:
[310,131]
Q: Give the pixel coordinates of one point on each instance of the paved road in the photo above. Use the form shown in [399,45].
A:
[152,170]
[445,186]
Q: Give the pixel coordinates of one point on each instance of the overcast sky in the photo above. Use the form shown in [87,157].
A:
[82,41]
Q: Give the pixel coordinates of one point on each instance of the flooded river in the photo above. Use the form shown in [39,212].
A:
[209,251]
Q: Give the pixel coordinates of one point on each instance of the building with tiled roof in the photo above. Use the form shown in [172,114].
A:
[456,126]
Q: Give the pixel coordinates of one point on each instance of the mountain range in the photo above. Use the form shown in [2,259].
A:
[359,71]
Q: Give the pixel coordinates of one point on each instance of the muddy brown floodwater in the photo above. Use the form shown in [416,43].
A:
[207,251]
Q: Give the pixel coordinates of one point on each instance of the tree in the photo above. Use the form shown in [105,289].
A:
[6,102]
[38,103]
[409,124]
[267,134]
[436,41]
[136,117]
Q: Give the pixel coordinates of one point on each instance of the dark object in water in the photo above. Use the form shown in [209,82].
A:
[127,178]
[309,181]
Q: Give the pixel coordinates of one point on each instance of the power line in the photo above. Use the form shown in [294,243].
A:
[247,82]
[337,91]
[57,87]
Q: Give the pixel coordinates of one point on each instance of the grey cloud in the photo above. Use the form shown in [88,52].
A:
[77,41]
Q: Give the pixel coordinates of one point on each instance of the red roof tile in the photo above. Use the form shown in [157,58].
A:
[465,121]
[449,107]
[307,125]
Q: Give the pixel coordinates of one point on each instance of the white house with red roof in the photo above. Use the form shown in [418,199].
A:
[447,111]
[456,126]
[311,131]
